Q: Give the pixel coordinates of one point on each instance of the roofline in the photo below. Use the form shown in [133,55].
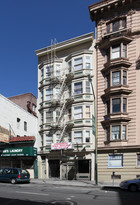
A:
[67,43]
[22,95]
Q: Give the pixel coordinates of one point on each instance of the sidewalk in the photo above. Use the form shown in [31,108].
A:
[78,183]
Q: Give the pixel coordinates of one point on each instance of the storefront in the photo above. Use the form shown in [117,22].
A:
[21,157]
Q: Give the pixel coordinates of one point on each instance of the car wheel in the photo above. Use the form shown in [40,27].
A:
[133,188]
[13,181]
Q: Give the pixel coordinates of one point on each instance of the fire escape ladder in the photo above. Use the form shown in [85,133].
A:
[61,113]
[62,88]
[61,136]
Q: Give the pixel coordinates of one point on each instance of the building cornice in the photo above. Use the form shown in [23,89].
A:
[65,44]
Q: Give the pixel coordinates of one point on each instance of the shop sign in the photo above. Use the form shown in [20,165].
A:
[21,151]
[4,135]
[59,146]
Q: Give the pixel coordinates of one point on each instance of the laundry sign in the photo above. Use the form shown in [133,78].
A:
[59,146]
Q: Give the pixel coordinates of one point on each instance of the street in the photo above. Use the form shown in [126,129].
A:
[40,194]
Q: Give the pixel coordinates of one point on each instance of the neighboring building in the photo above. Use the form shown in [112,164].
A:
[118,88]
[65,102]
[27,101]
[18,137]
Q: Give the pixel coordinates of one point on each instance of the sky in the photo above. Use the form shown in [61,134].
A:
[29,25]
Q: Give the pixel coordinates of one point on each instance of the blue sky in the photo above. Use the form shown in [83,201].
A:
[28,25]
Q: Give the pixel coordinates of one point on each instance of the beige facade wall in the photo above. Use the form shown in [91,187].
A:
[129,170]
[106,15]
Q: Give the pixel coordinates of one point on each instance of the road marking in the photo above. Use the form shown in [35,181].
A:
[21,192]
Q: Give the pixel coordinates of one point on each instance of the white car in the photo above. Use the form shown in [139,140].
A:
[131,185]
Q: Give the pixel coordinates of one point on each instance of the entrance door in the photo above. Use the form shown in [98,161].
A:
[54,168]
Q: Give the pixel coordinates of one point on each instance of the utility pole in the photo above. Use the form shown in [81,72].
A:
[95,131]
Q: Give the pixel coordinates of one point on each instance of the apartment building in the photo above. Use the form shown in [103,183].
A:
[65,102]
[118,88]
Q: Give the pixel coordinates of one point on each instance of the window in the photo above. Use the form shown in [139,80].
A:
[42,96]
[87,87]
[49,94]
[49,139]
[78,88]
[49,70]
[78,113]
[115,160]
[124,104]
[115,25]
[42,117]
[108,107]
[78,63]
[87,136]
[138,159]
[124,51]
[25,126]
[57,115]
[18,123]
[116,132]
[57,70]
[116,105]
[116,78]
[57,138]
[57,92]
[124,132]
[108,28]
[49,116]
[42,73]
[108,80]
[108,133]
[116,51]
[124,77]
[87,62]
[69,114]
[87,111]
[78,137]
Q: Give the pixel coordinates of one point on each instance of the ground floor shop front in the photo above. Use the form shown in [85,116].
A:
[20,157]
[69,167]
[118,164]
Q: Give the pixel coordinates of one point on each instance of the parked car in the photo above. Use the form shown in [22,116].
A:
[131,185]
[14,175]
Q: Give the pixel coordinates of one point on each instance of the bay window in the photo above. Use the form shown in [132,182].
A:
[78,137]
[116,132]
[87,62]
[116,51]
[49,94]
[78,64]
[87,111]
[116,78]
[78,88]
[87,87]
[49,116]
[78,112]
[87,136]
[49,70]
[116,105]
